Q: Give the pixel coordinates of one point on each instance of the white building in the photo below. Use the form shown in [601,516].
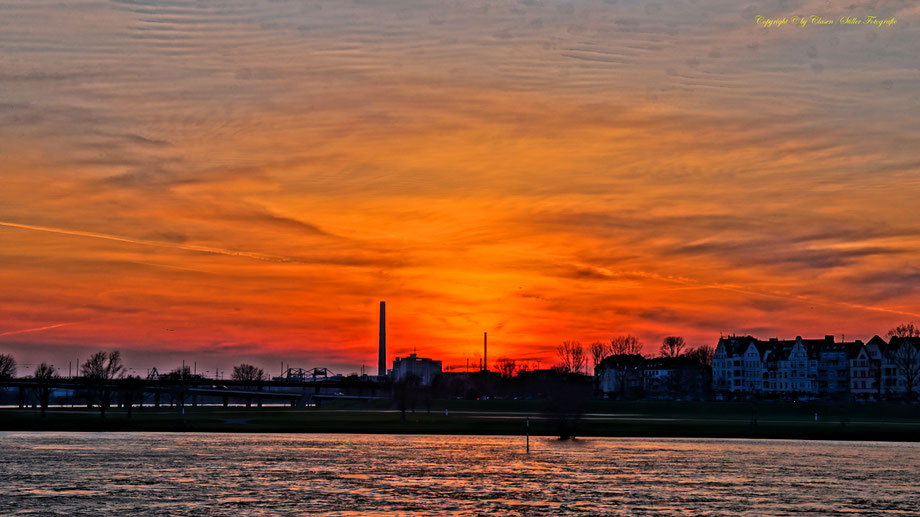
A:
[802,368]
[866,381]
[731,371]
[620,375]
[797,369]
[423,368]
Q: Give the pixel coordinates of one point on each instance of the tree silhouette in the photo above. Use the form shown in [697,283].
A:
[7,366]
[672,346]
[506,367]
[702,354]
[44,374]
[903,343]
[571,357]
[599,350]
[100,370]
[247,372]
[625,345]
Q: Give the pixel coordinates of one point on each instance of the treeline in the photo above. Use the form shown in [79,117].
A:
[573,357]
[101,369]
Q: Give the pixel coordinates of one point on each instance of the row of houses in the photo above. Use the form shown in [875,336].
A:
[743,366]
[634,376]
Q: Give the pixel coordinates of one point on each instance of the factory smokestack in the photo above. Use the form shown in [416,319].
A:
[382,357]
[485,351]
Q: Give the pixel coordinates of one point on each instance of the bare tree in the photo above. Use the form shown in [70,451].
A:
[247,372]
[904,341]
[100,370]
[7,366]
[672,346]
[44,374]
[625,345]
[571,356]
[702,354]
[598,352]
[506,367]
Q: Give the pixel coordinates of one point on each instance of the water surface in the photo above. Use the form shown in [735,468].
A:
[268,474]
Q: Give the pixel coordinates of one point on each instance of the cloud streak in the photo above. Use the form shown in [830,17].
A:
[37,329]
[158,244]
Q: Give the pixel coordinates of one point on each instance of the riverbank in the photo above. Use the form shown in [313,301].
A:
[884,422]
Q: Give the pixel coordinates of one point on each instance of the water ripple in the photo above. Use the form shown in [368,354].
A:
[187,474]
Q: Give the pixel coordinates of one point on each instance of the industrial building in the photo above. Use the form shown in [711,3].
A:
[423,368]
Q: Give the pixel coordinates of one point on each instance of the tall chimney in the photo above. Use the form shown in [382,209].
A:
[485,351]
[382,354]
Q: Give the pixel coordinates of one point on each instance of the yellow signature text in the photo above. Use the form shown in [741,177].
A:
[814,19]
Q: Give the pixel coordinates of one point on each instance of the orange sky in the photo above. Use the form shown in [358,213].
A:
[246,180]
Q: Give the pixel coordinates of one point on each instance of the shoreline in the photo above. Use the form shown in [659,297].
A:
[459,422]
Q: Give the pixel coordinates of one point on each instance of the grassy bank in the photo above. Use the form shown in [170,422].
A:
[886,422]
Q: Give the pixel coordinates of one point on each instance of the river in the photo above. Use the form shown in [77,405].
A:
[352,474]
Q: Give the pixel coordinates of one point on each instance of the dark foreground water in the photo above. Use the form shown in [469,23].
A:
[259,474]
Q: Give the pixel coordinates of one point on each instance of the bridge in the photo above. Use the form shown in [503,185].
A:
[183,392]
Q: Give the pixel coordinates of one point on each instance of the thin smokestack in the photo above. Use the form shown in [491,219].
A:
[485,350]
[382,354]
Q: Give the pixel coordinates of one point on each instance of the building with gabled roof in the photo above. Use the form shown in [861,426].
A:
[866,370]
[728,372]
[620,375]
[800,368]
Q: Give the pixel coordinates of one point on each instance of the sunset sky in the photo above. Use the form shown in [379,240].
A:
[244,180]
